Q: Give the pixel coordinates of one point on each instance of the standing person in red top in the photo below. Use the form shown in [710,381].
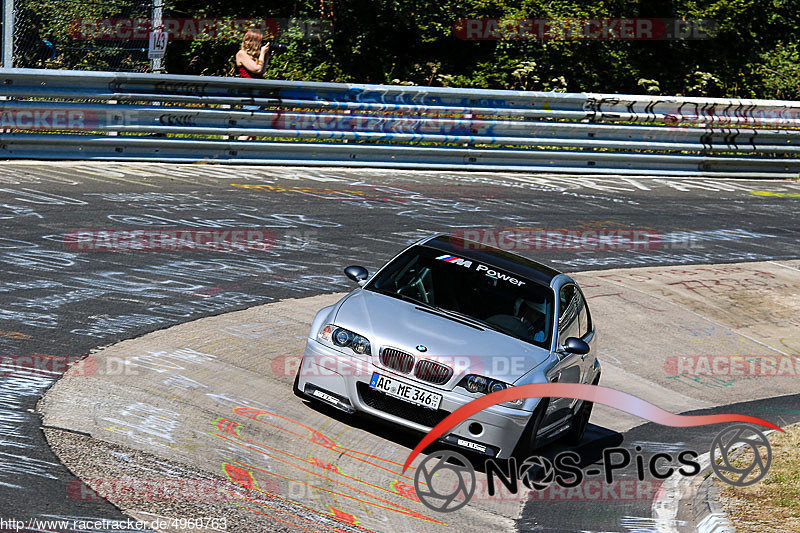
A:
[252,58]
[251,61]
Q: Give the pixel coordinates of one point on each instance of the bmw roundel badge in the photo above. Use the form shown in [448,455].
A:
[422,348]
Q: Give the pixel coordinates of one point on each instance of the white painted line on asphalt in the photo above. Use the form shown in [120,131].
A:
[784,266]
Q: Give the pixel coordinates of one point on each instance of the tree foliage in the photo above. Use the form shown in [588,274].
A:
[753,53]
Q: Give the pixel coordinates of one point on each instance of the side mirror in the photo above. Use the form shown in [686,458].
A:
[357,273]
[576,346]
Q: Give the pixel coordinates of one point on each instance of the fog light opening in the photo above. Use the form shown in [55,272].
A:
[475,429]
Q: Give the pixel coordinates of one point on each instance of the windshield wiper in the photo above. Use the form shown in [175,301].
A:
[475,320]
[461,315]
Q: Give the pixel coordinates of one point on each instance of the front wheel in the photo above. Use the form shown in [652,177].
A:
[580,420]
[527,441]
[574,435]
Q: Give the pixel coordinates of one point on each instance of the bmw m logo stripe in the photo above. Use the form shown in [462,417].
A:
[455,260]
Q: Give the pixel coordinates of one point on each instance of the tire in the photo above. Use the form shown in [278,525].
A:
[574,435]
[580,420]
[527,441]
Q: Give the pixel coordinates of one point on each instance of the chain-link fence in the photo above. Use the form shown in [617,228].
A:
[82,34]
[114,35]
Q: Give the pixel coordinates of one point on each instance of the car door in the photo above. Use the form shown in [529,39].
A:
[570,367]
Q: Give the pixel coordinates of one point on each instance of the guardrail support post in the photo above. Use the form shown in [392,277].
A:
[8,33]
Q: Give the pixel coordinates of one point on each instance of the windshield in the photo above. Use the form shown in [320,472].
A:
[496,298]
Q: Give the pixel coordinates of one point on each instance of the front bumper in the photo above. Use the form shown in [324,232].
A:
[342,380]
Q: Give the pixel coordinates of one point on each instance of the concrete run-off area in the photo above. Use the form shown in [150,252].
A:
[210,402]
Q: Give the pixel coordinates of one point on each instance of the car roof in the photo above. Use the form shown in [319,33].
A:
[510,262]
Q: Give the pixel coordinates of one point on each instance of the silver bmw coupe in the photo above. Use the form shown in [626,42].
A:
[446,321]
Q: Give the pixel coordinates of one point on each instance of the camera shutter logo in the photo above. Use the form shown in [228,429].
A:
[537,472]
[435,472]
[732,438]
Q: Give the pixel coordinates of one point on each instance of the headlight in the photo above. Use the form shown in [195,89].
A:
[345,338]
[483,385]
[497,386]
[475,383]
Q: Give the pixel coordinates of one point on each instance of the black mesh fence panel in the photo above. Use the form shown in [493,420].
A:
[82,34]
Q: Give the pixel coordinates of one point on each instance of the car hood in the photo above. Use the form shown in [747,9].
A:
[389,322]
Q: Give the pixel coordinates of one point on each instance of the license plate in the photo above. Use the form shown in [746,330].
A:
[405,392]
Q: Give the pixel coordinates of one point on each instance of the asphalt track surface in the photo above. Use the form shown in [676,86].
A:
[59,301]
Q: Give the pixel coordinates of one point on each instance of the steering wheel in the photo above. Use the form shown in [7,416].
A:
[516,325]
[420,292]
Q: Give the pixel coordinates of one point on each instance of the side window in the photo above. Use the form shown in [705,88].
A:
[565,297]
[568,322]
[583,316]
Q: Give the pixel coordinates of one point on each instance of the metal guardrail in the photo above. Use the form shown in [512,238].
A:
[62,113]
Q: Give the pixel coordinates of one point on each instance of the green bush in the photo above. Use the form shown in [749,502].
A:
[753,53]
[781,72]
